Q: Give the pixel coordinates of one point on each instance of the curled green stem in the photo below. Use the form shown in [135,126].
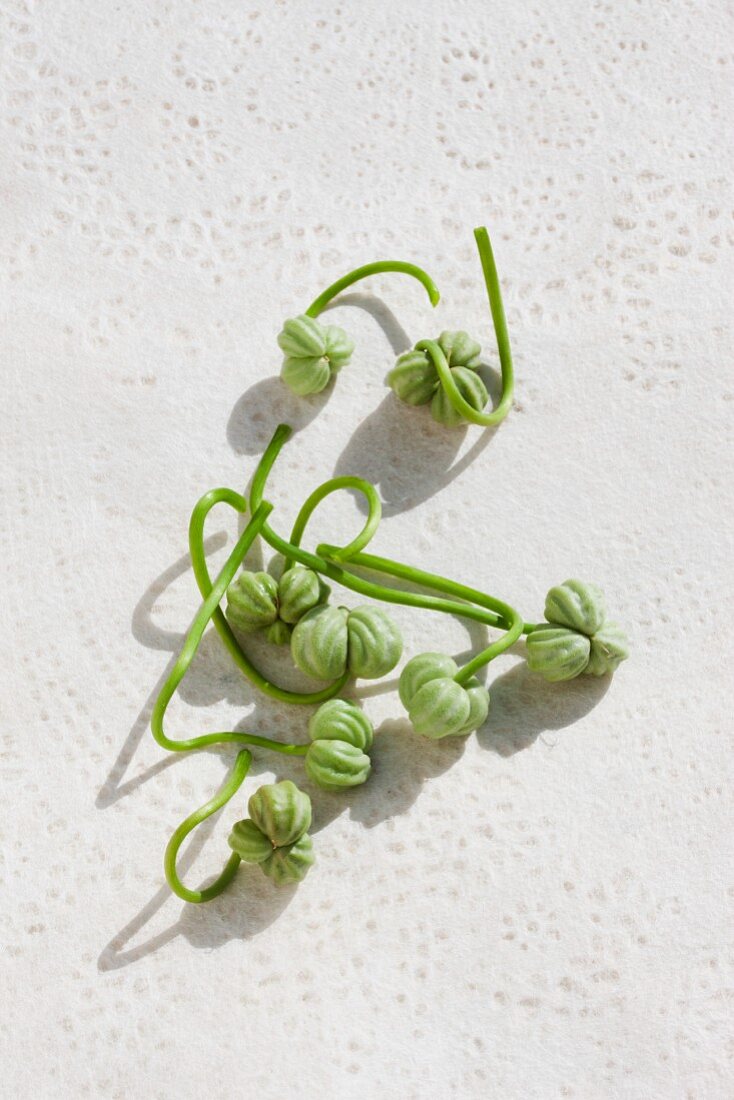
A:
[499,321]
[379,268]
[334,485]
[221,798]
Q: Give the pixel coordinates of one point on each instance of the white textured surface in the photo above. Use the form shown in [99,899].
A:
[543,911]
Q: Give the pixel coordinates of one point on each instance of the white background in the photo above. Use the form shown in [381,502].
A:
[541,911]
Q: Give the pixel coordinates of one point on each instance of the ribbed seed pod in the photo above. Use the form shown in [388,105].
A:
[252,601]
[279,633]
[441,708]
[299,590]
[577,605]
[302,338]
[249,842]
[339,347]
[281,811]
[328,640]
[306,376]
[437,706]
[319,642]
[478,706]
[340,720]
[460,349]
[609,647]
[332,764]
[374,642]
[556,652]
[419,670]
[291,863]
[413,378]
[312,352]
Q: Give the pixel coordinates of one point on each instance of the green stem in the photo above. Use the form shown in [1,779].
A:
[191,644]
[376,591]
[499,321]
[426,580]
[230,787]
[379,268]
[203,579]
[373,519]
[337,573]
[281,435]
[501,614]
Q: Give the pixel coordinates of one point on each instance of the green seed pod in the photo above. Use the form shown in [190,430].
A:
[281,811]
[291,863]
[576,605]
[419,670]
[332,764]
[441,708]
[306,376]
[319,642]
[437,706]
[252,601]
[556,652]
[249,842]
[375,643]
[299,589]
[460,349]
[609,647]
[413,378]
[471,388]
[328,640]
[478,707]
[302,338]
[279,633]
[339,348]
[340,720]
[312,353]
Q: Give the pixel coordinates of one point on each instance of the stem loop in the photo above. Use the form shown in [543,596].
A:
[364,537]
[494,294]
[221,798]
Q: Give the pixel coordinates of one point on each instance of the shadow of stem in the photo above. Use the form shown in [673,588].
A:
[246,908]
[396,335]
[152,636]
